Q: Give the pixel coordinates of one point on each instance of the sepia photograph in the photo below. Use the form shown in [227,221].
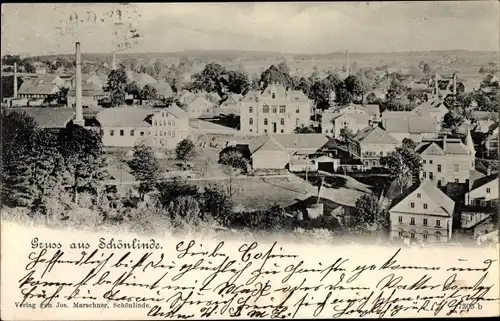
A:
[250,160]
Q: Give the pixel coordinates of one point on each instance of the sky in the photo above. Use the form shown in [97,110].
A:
[297,27]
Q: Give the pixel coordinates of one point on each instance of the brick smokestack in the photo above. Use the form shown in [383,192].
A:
[15,80]
[113,62]
[454,84]
[78,88]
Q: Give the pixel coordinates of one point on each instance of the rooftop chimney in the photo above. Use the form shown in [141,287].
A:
[15,80]
[78,86]
[445,138]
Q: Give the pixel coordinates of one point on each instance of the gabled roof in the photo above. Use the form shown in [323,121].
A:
[431,190]
[278,89]
[452,146]
[483,181]
[251,96]
[37,88]
[371,109]
[484,115]
[47,117]
[134,116]
[163,88]
[88,90]
[297,95]
[302,141]
[374,135]
[359,119]
[431,106]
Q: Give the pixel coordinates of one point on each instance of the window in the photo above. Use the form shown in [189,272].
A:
[412,221]
[112,132]
[438,236]
[282,109]
[439,168]
[457,167]
[297,110]
[424,174]
[424,222]
[366,163]
[282,130]
[400,233]
[265,109]
[381,153]
[488,190]
[250,121]
[373,163]
[265,130]
[282,121]
[274,96]
[265,121]
[425,234]
[142,134]
[122,132]
[430,161]
[275,109]
[132,132]
[251,130]
[456,180]
[482,203]
[412,234]
[438,223]
[156,123]
[425,162]
[431,176]
[425,206]
[250,109]
[419,195]
[297,122]
[439,184]
[412,205]
[400,219]
[165,122]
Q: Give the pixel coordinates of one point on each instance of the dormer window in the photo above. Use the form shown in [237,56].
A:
[273,95]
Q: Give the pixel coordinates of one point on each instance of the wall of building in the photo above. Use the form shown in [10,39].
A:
[88,101]
[419,228]
[453,167]
[286,120]
[487,192]
[270,159]
[370,154]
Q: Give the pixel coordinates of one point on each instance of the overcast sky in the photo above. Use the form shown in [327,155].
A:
[281,27]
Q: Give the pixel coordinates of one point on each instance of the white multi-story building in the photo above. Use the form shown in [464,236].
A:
[274,111]
[130,126]
[424,213]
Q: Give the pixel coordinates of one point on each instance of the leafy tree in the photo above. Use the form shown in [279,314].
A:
[210,79]
[346,133]
[185,150]
[85,163]
[354,85]
[185,211]
[409,143]
[451,122]
[426,69]
[305,130]
[216,204]
[320,93]
[344,97]
[117,83]
[234,158]
[403,164]
[149,92]
[369,215]
[132,89]
[274,75]
[237,82]
[145,168]
[304,85]
[168,191]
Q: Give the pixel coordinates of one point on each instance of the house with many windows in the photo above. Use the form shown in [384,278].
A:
[130,126]
[423,213]
[370,144]
[446,160]
[353,116]
[274,111]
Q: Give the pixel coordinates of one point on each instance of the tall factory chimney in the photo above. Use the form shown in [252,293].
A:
[78,88]
[15,80]
[436,87]
[347,66]
[455,83]
[113,62]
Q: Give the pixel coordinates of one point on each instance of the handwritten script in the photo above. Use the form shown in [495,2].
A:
[193,279]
